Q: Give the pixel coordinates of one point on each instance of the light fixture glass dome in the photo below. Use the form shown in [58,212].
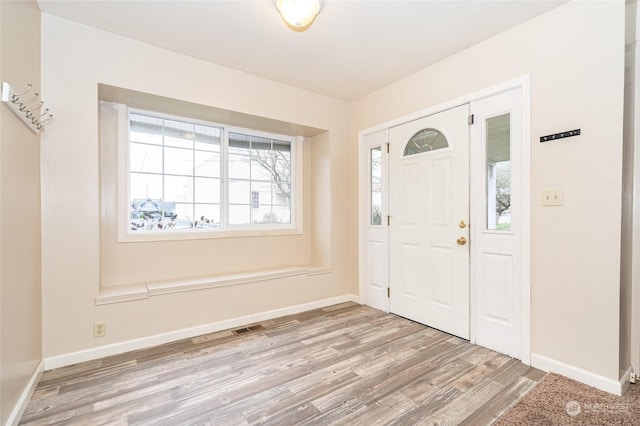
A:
[299,14]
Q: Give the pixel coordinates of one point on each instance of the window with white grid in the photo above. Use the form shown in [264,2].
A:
[193,176]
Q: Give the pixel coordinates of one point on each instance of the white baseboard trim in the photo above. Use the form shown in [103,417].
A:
[624,380]
[18,410]
[186,333]
[575,373]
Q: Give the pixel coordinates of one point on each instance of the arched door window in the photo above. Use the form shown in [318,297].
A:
[424,141]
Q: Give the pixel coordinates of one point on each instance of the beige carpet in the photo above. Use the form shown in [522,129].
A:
[557,400]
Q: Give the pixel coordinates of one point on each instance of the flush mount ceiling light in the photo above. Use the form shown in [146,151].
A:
[299,14]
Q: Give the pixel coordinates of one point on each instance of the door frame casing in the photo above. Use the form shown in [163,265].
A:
[523,83]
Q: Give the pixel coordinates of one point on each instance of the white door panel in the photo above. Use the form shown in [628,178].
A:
[495,303]
[497,234]
[440,191]
[410,179]
[428,197]
[375,271]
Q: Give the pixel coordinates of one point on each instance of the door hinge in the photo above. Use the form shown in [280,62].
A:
[389,292]
[471,118]
[387,147]
[388,220]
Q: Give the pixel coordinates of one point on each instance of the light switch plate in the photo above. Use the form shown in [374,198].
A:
[552,197]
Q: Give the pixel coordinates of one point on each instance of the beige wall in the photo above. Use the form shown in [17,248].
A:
[20,289]
[75,59]
[575,57]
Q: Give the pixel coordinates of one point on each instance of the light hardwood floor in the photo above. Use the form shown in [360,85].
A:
[345,364]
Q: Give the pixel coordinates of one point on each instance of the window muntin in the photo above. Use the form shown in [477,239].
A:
[424,141]
[186,176]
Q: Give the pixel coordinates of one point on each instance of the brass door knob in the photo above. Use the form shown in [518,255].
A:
[461,224]
[461,241]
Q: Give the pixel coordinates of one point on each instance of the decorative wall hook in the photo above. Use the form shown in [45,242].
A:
[24,104]
[15,97]
[32,117]
[47,120]
[30,113]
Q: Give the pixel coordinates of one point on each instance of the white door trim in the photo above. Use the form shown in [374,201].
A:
[524,83]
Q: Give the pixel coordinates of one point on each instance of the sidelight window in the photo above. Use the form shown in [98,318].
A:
[375,157]
[499,172]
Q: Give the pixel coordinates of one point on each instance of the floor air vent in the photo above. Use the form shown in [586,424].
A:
[248,329]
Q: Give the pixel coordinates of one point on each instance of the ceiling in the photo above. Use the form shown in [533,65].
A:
[354,48]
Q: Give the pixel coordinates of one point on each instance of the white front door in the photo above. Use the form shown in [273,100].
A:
[429,213]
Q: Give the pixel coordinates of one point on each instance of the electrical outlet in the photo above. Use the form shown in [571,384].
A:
[99,329]
[633,378]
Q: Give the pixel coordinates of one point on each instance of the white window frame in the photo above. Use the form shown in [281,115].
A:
[226,230]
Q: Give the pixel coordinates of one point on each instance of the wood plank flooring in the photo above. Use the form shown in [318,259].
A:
[342,365]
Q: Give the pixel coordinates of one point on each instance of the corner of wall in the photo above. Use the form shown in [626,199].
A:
[320,150]
[20,229]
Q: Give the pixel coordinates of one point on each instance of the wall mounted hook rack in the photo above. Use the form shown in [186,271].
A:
[30,110]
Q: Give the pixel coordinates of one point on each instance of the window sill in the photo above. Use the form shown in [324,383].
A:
[150,236]
[128,293]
